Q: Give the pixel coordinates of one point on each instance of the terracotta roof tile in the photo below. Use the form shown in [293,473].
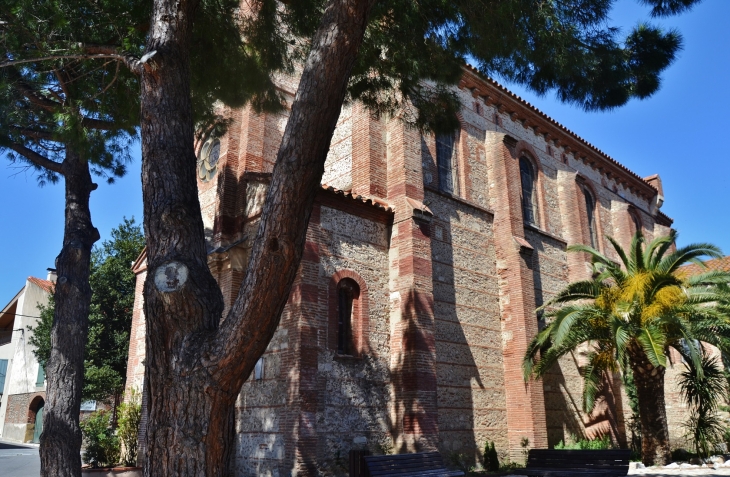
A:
[368,200]
[555,123]
[722,264]
[44,284]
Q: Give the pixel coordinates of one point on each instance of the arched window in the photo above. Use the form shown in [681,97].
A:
[445,161]
[347,292]
[591,217]
[635,220]
[529,204]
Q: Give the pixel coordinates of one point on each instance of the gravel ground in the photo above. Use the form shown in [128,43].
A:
[662,472]
[666,472]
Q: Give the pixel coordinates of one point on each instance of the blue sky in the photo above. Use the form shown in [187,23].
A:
[678,133]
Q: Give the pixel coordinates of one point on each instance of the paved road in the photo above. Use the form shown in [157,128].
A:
[19,460]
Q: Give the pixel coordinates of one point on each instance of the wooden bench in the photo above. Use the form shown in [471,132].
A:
[568,463]
[428,464]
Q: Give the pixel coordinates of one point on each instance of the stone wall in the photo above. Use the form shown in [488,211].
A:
[470,374]
[448,286]
[311,406]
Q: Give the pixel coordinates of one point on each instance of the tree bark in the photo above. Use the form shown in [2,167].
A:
[649,381]
[194,369]
[60,447]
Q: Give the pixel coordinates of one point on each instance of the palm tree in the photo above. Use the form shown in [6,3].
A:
[629,317]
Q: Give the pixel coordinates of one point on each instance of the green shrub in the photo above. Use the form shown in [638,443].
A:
[491,459]
[702,390]
[101,446]
[600,443]
[130,415]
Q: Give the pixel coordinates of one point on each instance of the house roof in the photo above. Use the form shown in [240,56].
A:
[637,180]
[366,200]
[722,264]
[47,285]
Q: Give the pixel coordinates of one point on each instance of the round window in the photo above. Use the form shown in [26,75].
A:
[208,159]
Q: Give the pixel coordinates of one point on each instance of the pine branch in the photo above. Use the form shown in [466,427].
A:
[36,158]
[42,135]
[98,124]
[33,95]
[92,52]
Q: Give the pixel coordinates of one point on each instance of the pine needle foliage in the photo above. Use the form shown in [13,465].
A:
[49,106]
[413,52]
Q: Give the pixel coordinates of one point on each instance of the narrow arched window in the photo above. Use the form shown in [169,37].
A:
[347,293]
[445,161]
[635,220]
[591,217]
[527,176]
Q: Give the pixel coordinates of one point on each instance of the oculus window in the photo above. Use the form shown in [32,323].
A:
[208,159]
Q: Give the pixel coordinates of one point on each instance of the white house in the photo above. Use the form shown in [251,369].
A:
[22,379]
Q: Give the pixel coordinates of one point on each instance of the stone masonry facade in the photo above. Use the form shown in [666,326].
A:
[444,272]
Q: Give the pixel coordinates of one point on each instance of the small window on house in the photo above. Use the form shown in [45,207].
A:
[3,373]
[258,370]
[347,293]
[445,161]
[41,379]
[591,217]
[527,176]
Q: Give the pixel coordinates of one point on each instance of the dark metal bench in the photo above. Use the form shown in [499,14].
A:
[569,463]
[429,464]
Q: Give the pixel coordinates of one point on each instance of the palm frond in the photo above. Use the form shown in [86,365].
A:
[711,277]
[636,254]
[684,255]
[620,252]
[621,336]
[653,341]
[592,382]
[658,247]
[582,290]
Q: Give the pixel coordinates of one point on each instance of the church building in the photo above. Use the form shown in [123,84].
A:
[426,257]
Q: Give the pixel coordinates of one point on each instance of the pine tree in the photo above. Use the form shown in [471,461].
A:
[68,119]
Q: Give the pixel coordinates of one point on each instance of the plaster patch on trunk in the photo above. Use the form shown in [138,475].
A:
[171,276]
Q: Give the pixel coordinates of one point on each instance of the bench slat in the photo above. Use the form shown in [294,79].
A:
[552,462]
[427,464]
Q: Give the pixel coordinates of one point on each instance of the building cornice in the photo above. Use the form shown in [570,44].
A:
[505,101]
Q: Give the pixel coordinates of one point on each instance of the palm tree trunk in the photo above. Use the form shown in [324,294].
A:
[649,381]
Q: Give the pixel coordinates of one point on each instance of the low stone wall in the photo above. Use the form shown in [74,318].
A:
[18,432]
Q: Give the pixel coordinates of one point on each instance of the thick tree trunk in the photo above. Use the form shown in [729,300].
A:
[61,439]
[193,369]
[649,381]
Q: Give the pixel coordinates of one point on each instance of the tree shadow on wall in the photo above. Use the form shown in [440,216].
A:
[454,370]
[565,415]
